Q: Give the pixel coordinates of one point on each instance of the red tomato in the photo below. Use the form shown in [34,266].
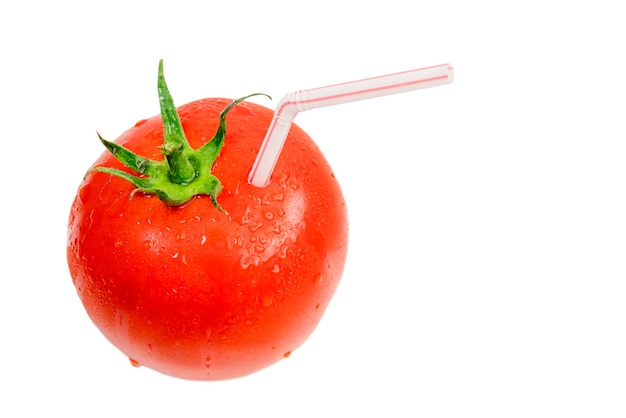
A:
[203,294]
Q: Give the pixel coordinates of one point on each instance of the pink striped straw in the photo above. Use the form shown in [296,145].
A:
[299,101]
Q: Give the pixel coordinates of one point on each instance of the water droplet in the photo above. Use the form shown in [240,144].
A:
[287,354]
[134,363]
[283,181]
[207,362]
[317,278]
[259,248]
[294,184]
[147,244]
[276,268]
[203,240]
[247,260]
[118,244]
[268,215]
[245,219]
[279,197]
[83,193]
[266,299]
[255,227]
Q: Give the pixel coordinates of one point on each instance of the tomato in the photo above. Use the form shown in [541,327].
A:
[202,290]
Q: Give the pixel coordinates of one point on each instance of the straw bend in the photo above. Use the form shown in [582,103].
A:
[293,103]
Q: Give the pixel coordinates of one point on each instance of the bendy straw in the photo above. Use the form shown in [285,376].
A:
[299,101]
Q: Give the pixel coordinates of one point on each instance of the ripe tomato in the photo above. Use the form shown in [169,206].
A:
[200,293]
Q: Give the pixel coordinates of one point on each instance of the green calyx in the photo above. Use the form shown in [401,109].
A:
[185,172]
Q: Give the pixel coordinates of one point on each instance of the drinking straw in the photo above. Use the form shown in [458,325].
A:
[298,101]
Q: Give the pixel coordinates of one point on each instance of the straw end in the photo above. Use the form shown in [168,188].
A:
[450,73]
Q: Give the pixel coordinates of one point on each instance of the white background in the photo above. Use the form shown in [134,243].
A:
[486,272]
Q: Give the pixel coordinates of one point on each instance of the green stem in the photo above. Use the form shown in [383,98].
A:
[185,172]
[175,146]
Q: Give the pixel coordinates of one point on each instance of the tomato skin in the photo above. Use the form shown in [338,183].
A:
[193,292]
